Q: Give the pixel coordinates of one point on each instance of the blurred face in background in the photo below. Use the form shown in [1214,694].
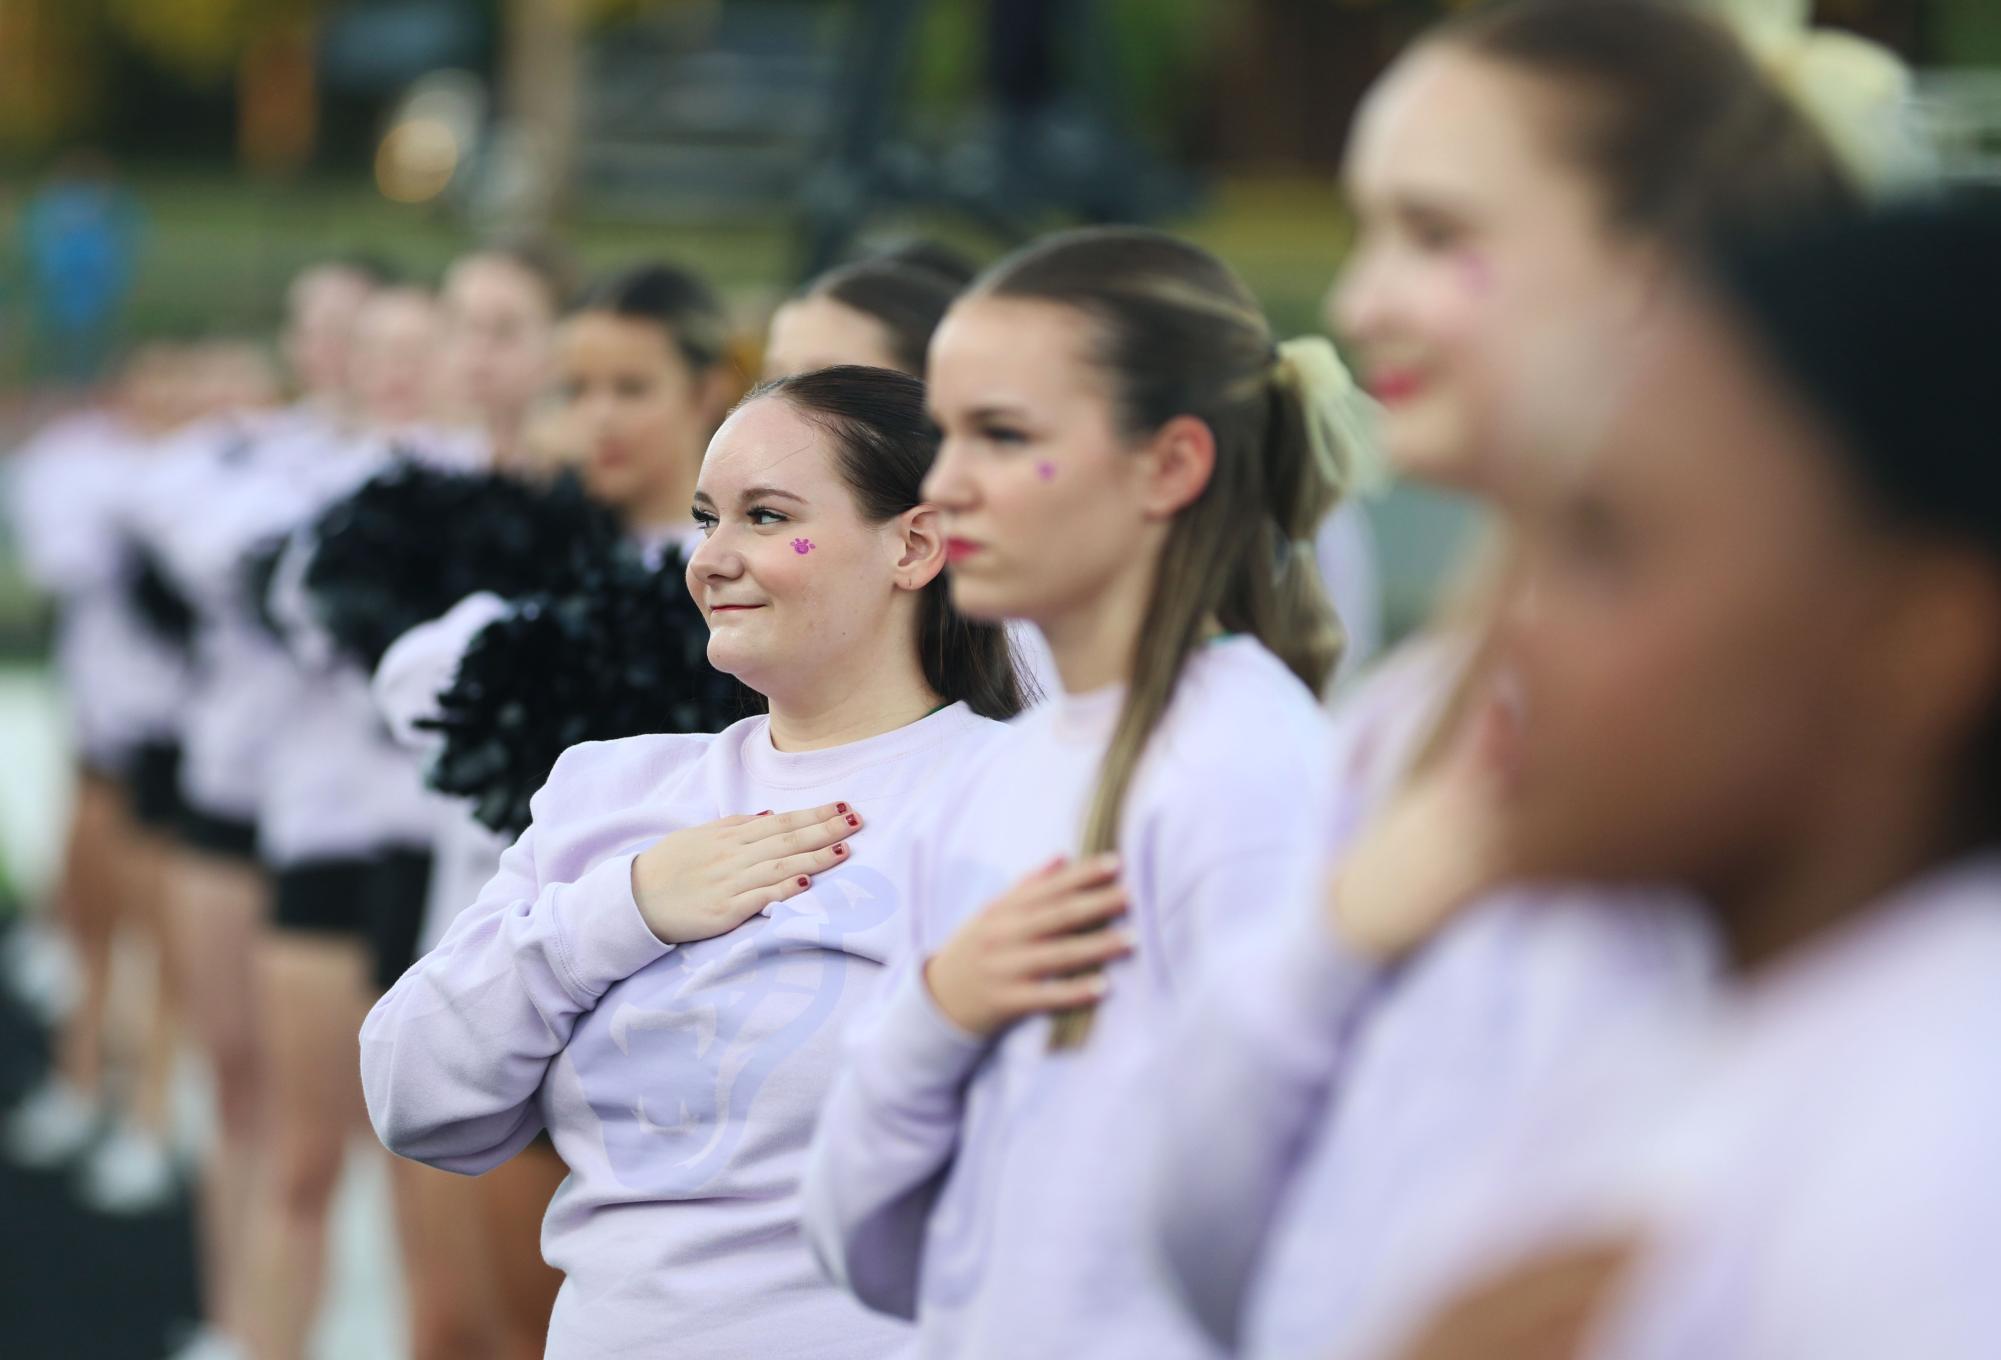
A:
[1713,634]
[1483,276]
[233,375]
[320,311]
[396,367]
[638,411]
[1041,491]
[501,324]
[816,332]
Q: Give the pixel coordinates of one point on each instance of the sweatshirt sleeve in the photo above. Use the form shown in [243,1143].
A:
[885,1140]
[1256,1057]
[454,1056]
[421,665]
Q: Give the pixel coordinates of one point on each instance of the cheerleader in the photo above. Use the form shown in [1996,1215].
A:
[880,312]
[210,498]
[1132,464]
[640,374]
[1501,272]
[120,653]
[660,970]
[1773,584]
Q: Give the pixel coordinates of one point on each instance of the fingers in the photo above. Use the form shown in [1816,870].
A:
[1076,953]
[811,863]
[790,823]
[749,903]
[1078,910]
[1060,993]
[1060,879]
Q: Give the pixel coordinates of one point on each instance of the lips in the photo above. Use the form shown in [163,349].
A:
[733,608]
[959,549]
[1392,386]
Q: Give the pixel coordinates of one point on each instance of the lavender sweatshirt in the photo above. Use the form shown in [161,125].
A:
[1367,1087]
[680,1083]
[993,1190]
[1807,1161]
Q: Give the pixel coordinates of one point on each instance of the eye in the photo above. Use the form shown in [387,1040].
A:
[763,515]
[705,521]
[1432,230]
[633,388]
[1003,434]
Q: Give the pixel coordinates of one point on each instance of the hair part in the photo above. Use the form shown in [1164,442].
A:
[1176,333]
[885,443]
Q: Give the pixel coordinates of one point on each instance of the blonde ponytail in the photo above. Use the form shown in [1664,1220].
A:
[1854,92]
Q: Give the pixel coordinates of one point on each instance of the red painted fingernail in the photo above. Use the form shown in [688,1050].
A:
[803,880]
[854,820]
[765,813]
[840,850]
[840,807]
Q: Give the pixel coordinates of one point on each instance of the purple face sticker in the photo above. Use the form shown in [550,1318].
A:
[1046,471]
[802,546]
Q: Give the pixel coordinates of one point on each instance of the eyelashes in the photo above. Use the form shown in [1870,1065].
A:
[760,516]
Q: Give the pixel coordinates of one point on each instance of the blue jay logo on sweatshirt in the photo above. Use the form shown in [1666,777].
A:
[674,1059]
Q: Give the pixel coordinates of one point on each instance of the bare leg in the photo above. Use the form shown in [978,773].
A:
[454,1304]
[312,984]
[90,897]
[215,913]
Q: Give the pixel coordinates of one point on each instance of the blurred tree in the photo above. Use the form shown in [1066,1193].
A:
[49,82]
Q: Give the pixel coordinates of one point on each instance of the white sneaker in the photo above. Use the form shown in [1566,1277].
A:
[40,968]
[209,1344]
[131,1172]
[51,1126]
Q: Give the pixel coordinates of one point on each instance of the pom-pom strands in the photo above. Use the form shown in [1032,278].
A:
[156,601]
[624,654]
[415,541]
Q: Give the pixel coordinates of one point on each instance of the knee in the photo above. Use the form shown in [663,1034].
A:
[305,1167]
[449,1329]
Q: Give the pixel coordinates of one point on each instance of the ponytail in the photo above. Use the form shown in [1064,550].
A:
[1179,334]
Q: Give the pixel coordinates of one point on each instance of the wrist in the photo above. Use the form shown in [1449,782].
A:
[947,1004]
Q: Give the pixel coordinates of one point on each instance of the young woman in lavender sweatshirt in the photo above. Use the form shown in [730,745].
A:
[660,971]
[1764,660]
[1502,271]
[1133,464]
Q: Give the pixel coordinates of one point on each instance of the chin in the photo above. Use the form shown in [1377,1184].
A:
[1430,447]
[985,600]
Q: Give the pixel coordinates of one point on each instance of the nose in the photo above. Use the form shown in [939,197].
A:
[1355,301]
[713,561]
[948,485]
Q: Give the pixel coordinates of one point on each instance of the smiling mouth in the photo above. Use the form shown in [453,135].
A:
[732,608]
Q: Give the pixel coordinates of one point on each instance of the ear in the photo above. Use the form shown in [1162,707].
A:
[1176,465]
[921,540]
[1941,648]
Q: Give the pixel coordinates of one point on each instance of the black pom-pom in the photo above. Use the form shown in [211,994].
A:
[415,540]
[157,601]
[257,570]
[623,654]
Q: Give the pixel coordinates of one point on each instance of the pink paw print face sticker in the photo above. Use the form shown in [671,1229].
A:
[802,546]
[1046,471]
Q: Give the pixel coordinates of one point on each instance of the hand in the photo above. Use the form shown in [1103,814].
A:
[1541,1309]
[1436,845]
[1036,948]
[705,881]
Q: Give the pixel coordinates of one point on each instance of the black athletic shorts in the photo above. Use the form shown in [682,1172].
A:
[378,900]
[153,779]
[227,837]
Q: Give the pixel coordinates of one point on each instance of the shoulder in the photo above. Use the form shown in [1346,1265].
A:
[1239,710]
[627,770]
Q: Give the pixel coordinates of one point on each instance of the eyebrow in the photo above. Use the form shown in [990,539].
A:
[752,493]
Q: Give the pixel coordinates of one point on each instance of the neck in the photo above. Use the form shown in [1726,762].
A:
[663,505]
[1093,644]
[845,705]
[503,437]
[1851,848]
